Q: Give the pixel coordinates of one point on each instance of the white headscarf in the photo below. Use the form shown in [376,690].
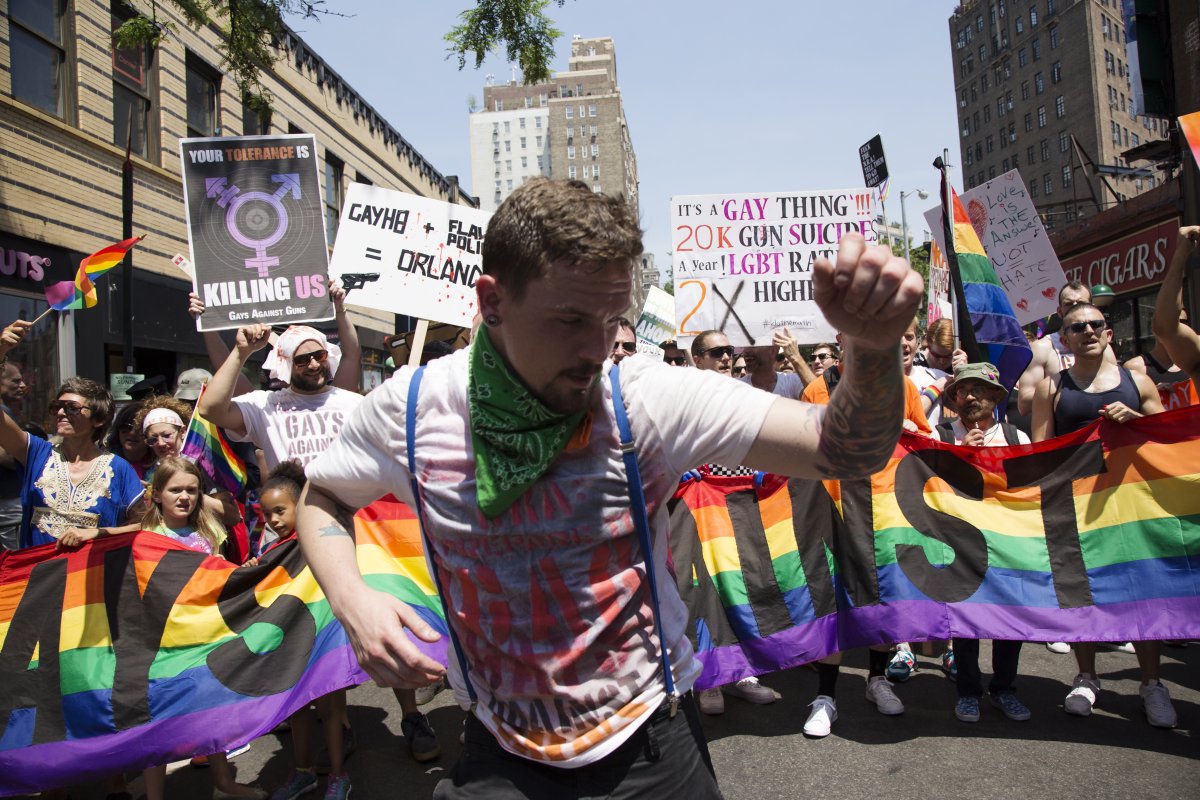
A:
[157,415]
[279,361]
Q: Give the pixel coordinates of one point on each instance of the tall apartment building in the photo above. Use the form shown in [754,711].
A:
[572,126]
[1032,74]
[69,103]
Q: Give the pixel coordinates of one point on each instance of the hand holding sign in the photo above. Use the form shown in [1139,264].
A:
[869,295]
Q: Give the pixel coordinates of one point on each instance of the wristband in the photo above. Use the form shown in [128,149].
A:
[932,392]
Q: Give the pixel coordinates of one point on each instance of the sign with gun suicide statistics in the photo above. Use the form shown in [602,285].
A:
[410,254]
[256,229]
[743,262]
[1012,235]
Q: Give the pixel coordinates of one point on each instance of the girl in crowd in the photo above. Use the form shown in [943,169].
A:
[279,496]
[176,511]
[125,439]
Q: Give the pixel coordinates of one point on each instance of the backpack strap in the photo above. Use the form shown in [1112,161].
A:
[410,436]
[946,432]
[1012,434]
[637,497]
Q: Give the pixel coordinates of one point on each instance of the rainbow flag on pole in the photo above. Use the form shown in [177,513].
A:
[993,333]
[81,292]
[207,446]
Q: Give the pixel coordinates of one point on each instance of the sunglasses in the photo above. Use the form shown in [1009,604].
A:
[738,372]
[628,347]
[165,437]
[69,408]
[318,355]
[718,352]
[1096,325]
[821,357]
[675,361]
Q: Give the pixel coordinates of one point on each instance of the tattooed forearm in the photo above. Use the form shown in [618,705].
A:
[863,419]
[342,525]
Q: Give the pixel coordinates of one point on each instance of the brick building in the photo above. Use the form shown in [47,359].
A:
[1031,74]
[67,104]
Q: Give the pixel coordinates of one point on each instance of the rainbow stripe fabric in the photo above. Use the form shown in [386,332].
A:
[134,651]
[1089,537]
[80,293]
[206,445]
[997,332]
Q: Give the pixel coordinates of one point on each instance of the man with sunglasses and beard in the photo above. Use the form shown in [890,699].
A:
[1093,387]
[626,343]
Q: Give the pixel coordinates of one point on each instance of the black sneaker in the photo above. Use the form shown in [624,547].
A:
[422,741]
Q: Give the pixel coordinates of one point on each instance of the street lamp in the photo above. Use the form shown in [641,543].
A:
[924,195]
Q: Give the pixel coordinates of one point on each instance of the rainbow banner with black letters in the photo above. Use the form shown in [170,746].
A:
[1093,536]
[133,650]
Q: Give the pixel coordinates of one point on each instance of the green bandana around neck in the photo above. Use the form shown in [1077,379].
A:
[514,435]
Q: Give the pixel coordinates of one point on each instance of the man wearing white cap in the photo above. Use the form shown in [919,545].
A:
[294,423]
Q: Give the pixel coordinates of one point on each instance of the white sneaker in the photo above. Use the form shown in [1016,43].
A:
[711,701]
[880,692]
[1062,648]
[1122,647]
[821,718]
[750,690]
[1081,698]
[1157,702]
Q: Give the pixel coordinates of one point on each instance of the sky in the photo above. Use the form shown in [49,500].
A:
[720,97]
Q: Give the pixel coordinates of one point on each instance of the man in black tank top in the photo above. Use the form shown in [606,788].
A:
[1075,398]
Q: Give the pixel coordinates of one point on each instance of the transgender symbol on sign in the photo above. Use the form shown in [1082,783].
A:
[248,216]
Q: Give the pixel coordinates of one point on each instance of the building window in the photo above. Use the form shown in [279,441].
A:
[1045,149]
[1020,25]
[522,142]
[988,144]
[255,122]
[1064,141]
[1035,48]
[1029,156]
[1033,16]
[1116,132]
[595,151]
[1033,189]
[1047,185]
[570,151]
[522,120]
[999,106]
[1055,39]
[991,172]
[966,128]
[1049,7]
[1060,107]
[1134,140]
[499,105]
[570,112]
[1004,165]
[508,183]
[508,145]
[203,88]
[542,99]
[1029,122]
[987,113]
[528,104]
[1110,63]
[524,162]
[970,156]
[572,172]
[1041,116]
[508,165]
[539,142]
[1039,83]
[1022,57]
[592,110]
[507,126]
[596,188]
[592,130]
[1024,90]
[133,84]
[38,53]
[1056,72]
[537,122]
[595,170]
[334,169]
[1066,176]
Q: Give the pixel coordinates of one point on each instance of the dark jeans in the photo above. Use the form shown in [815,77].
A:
[665,758]
[1004,666]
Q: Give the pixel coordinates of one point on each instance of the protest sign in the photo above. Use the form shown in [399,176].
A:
[419,256]
[937,289]
[657,322]
[743,262]
[874,164]
[1012,235]
[256,229]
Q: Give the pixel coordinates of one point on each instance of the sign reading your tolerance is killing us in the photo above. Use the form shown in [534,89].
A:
[256,228]
[1012,235]
[411,255]
[743,262]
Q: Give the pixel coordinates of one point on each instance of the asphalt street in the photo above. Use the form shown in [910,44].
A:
[760,752]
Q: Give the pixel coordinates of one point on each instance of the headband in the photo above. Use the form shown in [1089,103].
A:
[279,361]
[157,415]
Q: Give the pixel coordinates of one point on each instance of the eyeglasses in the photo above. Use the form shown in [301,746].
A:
[166,438]
[628,347]
[675,361]
[737,372]
[936,356]
[69,408]
[718,352]
[1096,325]
[302,360]
[779,357]
[821,357]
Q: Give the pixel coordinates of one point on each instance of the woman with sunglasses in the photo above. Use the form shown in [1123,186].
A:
[71,491]
[125,439]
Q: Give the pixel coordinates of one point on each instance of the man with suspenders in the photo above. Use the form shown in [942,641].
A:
[541,475]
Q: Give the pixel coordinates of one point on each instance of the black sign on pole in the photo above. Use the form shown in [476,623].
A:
[874,164]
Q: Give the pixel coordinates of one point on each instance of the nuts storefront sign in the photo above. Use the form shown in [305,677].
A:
[1131,262]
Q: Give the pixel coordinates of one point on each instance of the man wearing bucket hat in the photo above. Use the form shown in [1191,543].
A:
[973,394]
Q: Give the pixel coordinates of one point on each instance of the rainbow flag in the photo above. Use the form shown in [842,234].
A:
[81,293]
[993,335]
[133,650]
[206,445]
[1093,536]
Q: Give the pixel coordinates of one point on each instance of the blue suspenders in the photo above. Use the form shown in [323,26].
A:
[637,507]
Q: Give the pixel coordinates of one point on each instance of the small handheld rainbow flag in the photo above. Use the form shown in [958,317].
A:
[81,292]
[206,445]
